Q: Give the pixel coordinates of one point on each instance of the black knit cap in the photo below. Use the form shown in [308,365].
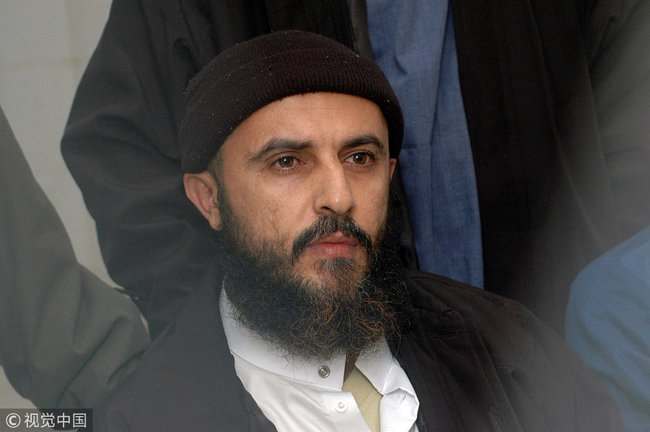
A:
[252,74]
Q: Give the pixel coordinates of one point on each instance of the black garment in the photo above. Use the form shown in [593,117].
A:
[544,196]
[478,362]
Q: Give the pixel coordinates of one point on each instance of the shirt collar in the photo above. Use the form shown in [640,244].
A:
[376,363]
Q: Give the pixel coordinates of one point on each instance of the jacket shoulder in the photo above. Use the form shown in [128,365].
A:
[435,292]
[524,361]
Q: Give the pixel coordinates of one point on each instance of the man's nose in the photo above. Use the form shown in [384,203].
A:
[333,194]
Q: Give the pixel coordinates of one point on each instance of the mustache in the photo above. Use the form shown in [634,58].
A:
[327,225]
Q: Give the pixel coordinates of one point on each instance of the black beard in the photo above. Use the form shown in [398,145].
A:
[301,317]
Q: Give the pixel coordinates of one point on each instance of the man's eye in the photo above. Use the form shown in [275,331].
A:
[285,162]
[362,158]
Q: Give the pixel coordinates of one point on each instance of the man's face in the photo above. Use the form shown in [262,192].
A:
[300,192]
[303,158]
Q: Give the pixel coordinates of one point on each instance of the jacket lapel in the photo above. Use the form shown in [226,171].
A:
[195,381]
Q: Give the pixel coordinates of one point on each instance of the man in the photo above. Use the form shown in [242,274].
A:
[289,146]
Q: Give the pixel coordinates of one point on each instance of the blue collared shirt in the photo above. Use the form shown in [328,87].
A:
[413,43]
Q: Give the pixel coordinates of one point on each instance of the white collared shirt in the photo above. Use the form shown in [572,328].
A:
[301,395]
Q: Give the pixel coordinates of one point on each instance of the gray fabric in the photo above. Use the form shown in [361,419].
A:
[66,338]
[621,79]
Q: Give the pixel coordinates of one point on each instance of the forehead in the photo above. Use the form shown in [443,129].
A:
[318,118]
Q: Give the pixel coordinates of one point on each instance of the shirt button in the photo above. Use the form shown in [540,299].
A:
[341,407]
[324,371]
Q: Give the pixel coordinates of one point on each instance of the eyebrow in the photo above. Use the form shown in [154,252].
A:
[363,140]
[278,145]
[282,144]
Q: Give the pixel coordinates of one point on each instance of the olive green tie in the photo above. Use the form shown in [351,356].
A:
[366,397]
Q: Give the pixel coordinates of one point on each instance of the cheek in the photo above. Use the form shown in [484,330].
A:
[273,215]
[268,213]
[372,208]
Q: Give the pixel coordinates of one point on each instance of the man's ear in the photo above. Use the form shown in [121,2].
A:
[392,163]
[201,189]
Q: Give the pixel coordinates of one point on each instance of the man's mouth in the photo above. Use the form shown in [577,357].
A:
[333,245]
[331,237]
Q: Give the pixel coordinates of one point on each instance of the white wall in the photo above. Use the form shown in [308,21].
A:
[44,47]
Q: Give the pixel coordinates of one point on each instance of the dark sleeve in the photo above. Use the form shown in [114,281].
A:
[66,338]
[120,146]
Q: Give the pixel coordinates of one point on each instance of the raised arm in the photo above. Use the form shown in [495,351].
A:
[66,338]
